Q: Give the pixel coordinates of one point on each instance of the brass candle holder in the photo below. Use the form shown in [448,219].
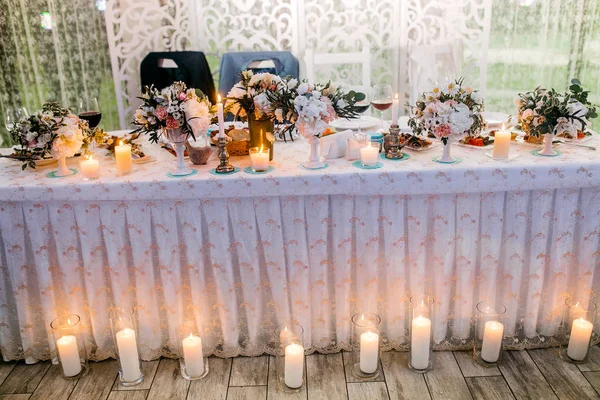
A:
[394,147]
[224,166]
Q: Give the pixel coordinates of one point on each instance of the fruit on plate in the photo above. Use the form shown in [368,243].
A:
[534,139]
[513,134]
[414,141]
[477,141]
[329,131]
[580,135]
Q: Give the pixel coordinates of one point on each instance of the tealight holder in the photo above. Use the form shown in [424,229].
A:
[289,357]
[259,159]
[70,346]
[420,355]
[577,329]
[193,361]
[489,333]
[126,346]
[365,344]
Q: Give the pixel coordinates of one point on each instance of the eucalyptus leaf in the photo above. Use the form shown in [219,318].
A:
[360,96]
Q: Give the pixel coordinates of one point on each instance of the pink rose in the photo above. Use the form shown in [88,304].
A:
[172,123]
[443,131]
[182,96]
[161,112]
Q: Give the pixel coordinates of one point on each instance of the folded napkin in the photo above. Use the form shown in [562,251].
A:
[335,146]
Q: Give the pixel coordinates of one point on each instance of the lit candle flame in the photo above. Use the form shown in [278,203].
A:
[260,151]
[503,126]
[120,143]
[218,98]
[69,321]
[191,335]
[396,96]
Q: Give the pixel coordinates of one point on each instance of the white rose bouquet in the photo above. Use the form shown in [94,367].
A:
[252,95]
[51,131]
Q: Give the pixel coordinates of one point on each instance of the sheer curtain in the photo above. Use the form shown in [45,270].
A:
[54,50]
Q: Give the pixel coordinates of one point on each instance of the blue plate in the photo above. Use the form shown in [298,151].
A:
[358,164]
[249,170]
[536,152]
[313,169]
[456,160]
[194,172]
[403,158]
[53,173]
[214,172]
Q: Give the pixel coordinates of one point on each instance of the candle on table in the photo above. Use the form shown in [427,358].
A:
[369,154]
[581,333]
[420,342]
[90,168]
[294,365]
[220,116]
[369,352]
[259,159]
[192,354]
[395,110]
[69,355]
[123,157]
[501,143]
[128,355]
[492,341]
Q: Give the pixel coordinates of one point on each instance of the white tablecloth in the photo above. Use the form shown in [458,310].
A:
[243,253]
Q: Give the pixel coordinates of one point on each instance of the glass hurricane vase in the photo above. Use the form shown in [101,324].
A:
[193,361]
[70,347]
[421,334]
[489,333]
[365,343]
[289,357]
[578,328]
[261,133]
[126,345]
[178,138]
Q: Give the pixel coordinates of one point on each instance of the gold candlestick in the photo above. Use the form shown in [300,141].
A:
[224,167]
[394,146]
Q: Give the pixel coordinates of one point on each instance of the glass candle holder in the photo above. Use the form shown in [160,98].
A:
[126,345]
[289,358]
[192,353]
[369,154]
[70,347]
[577,327]
[489,333]
[259,158]
[421,333]
[365,343]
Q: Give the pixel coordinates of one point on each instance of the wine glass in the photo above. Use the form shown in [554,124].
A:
[381,99]
[89,110]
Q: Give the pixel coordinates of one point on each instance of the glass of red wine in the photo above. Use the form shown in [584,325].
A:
[381,99]
[89,110]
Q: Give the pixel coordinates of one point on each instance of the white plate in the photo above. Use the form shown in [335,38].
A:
[496,119]
[489,146]
[364,122]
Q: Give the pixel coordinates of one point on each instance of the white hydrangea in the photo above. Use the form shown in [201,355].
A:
[198,116]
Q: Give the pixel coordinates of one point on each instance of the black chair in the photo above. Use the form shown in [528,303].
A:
[161,69]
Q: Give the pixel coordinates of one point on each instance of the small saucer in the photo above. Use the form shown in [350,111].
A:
[437,160]
[214,171]
[536,152]
[194,172]
[511,156]
[404,157]
[53,174]
[313,169]
[249,170]
[359,164]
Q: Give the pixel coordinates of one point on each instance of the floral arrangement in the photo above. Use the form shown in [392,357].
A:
[253,94]
[52,131]
[173,107]
[545,111]
[448,114]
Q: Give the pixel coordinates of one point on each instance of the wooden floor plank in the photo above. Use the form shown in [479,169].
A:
[149,369]
[249,371]
[489,388]
[273,392]
[523,376]
[402,383]
[347,357]
[214,385]
[128,395]
[54,386]
[594,379]
[445,380]
[24,378]
[470,368]
[168,382]
[325,377]
[15,396]
[247,393]
[367,391]
[97,383]
[5,369]
[565,378]
[593,362]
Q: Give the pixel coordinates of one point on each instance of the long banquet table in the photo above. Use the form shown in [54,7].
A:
[243,253]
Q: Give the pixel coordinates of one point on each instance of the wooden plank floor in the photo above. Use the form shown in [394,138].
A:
[532,374]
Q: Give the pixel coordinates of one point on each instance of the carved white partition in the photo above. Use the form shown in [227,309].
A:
[393,29]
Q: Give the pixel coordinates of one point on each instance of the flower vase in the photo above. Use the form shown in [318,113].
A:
[314,160]
[261,133]
[446,157]
[63,170]
[547,150]
[178,138]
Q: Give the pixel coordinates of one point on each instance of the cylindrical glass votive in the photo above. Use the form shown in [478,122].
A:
[70,346]
[365,342]
[369,154]
[289,358]
[489,333]
[126,346]
[421,333]
[259,158]
[192,355]
[578,326]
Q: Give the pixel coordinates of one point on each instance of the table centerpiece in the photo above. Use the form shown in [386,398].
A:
[449,115]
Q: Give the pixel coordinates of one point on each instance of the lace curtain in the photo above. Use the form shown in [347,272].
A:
[54,50]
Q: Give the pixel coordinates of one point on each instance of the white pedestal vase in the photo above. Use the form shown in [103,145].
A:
[178,138]
[547,149]
[446,158]
[314,160]
[63,170]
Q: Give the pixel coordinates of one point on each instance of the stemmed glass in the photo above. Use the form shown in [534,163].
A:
[381,99]
[14,115]
[89,110]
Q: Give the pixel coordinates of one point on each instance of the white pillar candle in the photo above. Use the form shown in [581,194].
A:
[260,160]
[90,168]
[193,356]
[369,154]
[492,341]
[501,143]
[294,365]
[581,333]
[128,355]
[395,105]
[419,342]
[123,157]
[69,355]
[220,117]
[369,352]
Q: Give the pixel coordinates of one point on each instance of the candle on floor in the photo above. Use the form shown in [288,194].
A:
[294,365]
[193,356]
[395,110]
[501,143]
[123,157]
[285,335]
[492,341]
[369,352]
[69,355]
[220,117]
[369,155]
[128,355]
[259,159]
[579,343]
[90,168]
[420,342]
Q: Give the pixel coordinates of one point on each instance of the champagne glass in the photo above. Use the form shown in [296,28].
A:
[381,99]
[89,110]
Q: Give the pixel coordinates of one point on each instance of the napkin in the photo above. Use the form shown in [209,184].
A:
[335,146]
